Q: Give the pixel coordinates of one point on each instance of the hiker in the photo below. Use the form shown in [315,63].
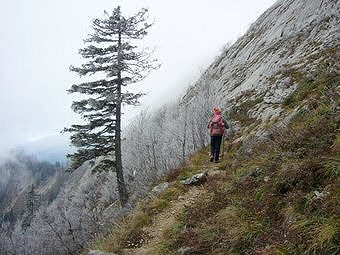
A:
[216,126]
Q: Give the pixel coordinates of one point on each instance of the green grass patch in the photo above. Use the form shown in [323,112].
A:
[312,89]
[193,166]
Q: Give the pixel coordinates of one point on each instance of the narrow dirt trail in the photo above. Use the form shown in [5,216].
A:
[165,219]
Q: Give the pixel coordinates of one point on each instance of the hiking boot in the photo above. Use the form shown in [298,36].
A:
[216,161]
[211,159]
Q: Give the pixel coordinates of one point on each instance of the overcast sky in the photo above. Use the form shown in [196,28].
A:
[40,40]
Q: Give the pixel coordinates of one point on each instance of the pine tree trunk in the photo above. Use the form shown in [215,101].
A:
[122,190]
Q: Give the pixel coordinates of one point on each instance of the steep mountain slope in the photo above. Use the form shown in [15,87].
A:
[290,38]
[40,202]
[276,196]
[292,43]
[278,185]
[18,175]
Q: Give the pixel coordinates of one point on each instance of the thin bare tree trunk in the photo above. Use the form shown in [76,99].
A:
[122,190]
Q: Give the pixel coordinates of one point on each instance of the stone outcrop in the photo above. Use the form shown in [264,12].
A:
[291,35]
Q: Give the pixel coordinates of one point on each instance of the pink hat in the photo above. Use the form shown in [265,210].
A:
[217,110]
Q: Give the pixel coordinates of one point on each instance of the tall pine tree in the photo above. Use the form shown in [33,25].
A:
[112,54]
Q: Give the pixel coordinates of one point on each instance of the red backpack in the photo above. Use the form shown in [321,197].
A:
[216,126]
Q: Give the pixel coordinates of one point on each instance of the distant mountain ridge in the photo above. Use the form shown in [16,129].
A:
[51,148]
[18,174]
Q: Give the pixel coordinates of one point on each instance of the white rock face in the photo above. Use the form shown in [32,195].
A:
[286,36]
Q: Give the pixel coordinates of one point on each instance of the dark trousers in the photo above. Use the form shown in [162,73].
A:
[215,147]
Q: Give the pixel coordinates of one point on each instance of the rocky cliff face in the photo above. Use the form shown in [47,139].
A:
[262,65]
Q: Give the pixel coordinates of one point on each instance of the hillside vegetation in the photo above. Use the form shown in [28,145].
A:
[277,194]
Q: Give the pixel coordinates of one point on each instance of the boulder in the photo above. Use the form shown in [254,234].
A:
[184,250]
[97,252]
[160,188]
[196,179]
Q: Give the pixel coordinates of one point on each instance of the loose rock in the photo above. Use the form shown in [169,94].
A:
[196,179]
[160,188]
[97,252]
[184,250]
